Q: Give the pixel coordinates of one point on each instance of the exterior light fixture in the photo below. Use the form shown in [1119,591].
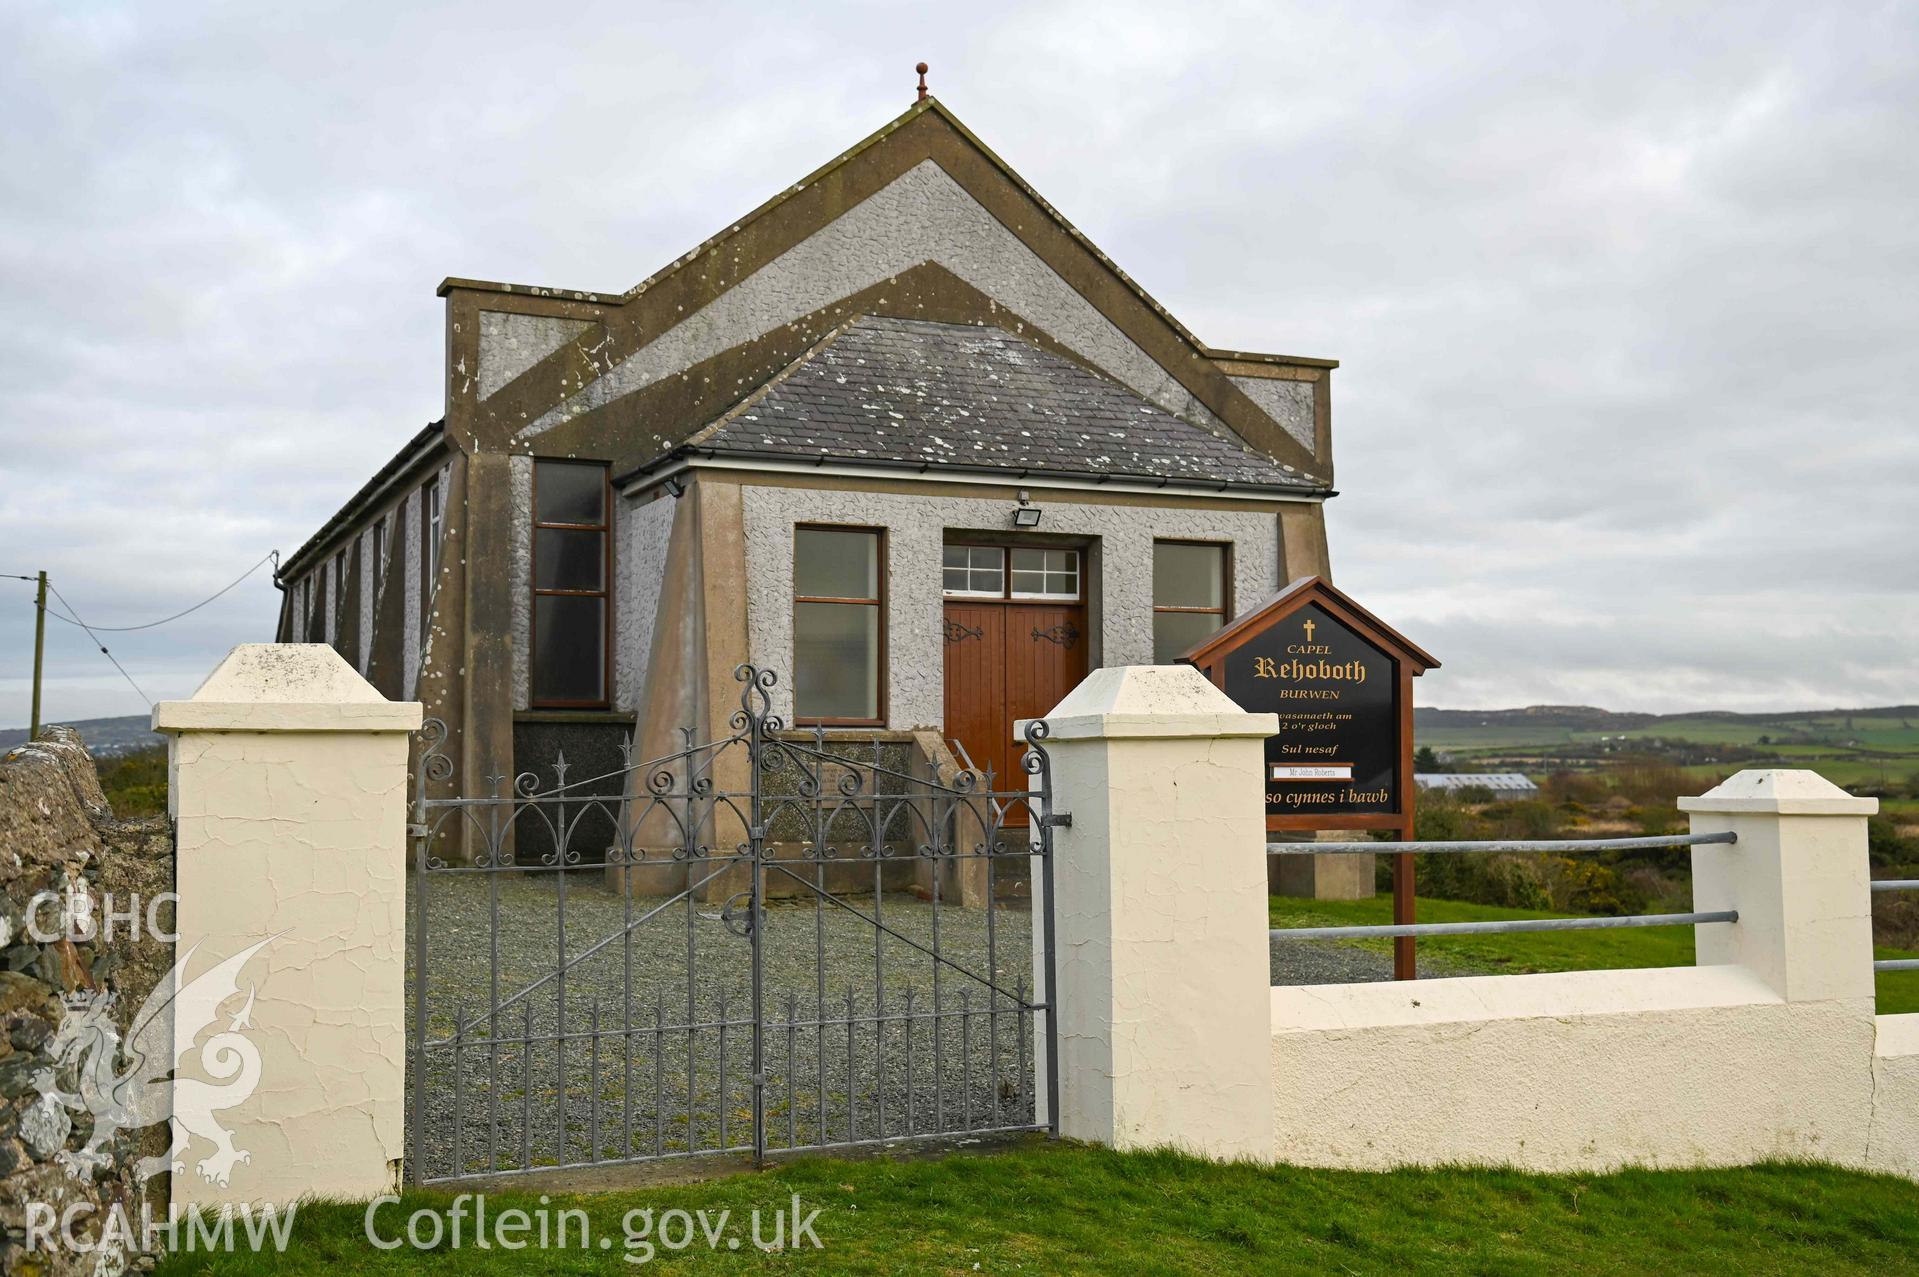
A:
[1027,515]
[676,487]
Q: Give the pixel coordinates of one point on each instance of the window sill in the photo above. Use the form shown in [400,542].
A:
[843,731]
[572,716]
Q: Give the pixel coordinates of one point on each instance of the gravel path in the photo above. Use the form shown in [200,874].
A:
[1330,962]
[644,1048]
[943,1046]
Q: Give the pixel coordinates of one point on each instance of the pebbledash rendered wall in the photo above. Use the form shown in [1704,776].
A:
[1768,1048]
[1119,577]
[923,215]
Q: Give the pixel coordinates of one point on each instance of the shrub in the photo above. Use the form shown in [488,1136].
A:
[1885,845]
[1648,783]
[1515,882]
[1658,890]
[1574,790]
[1586,886]
[1657,820]
[135,785]
[1528,818]
[1439,817]
[1895,919]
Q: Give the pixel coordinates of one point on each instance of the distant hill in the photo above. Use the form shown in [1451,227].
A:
[1867,750]
[1587,718]
[105,737]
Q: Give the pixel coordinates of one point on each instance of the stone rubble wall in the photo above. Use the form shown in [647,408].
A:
[58,834]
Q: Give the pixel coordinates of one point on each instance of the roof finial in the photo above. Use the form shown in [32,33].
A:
[921,68]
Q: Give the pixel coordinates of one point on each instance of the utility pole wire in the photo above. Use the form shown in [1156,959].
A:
[72,617]
[102,646]
[127,629]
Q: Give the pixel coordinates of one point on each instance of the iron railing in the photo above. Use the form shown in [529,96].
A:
[766,943]
[1523,846]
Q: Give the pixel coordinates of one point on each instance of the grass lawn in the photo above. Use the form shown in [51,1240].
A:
[1898,991]
[1059,1208]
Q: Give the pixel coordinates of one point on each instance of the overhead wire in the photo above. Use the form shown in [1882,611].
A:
[127,629]
[72,615]
[102,646]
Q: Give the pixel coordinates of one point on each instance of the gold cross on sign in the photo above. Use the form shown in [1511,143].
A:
[1309,631]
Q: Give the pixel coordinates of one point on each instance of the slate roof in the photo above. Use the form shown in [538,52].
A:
[887,391]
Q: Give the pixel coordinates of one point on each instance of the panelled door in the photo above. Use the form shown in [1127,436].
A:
[1015,630]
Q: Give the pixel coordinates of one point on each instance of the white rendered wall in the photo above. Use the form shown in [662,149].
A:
[1769,1049]
[915,531]
[1585,1070]
[1893,1142]
[288,785]
[1159,908]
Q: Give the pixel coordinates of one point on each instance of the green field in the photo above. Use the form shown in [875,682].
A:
[1893,731]
[1903,810]
[1878,749]
[1048,1208]
[1847,773]
[1898,991]
[1897,734]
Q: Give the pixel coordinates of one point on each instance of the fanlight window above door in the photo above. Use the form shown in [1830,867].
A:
[980,572]
[1045,574]
[974,571]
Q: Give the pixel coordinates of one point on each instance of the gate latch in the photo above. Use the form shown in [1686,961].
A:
[737,914]
[1057,820]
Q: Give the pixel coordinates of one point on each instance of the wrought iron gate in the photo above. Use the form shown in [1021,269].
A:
[770,942]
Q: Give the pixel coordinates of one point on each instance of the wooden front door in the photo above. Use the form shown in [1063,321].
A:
[1015,631]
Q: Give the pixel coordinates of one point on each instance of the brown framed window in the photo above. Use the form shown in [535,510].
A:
[1190,599]
[839,625]
[571,606]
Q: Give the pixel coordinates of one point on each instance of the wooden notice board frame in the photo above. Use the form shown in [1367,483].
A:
[1408,662]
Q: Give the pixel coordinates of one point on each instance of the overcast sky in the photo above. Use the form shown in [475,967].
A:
[1625,296]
